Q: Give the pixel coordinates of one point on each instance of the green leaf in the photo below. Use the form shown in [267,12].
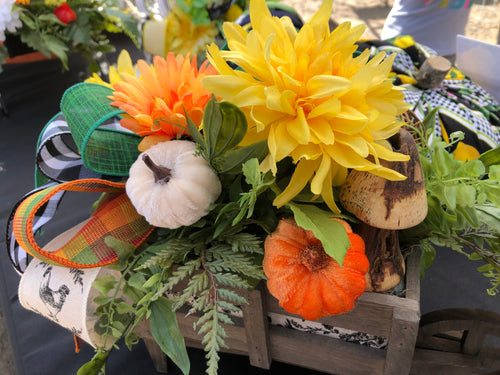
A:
[94,366]
[152,280]
[132,293]
[466,195]
[430,120]
[79,33]
[102,300]
[195,132]
[232,130]
[123,250]
[212,123]
[470,215]
[441,161]
[58,48]
[427,257]
[492,191]
[126,22]
[472,168]
[104,284]
[251,172]
[232,160]
[486,268]
[167,334]
[137,281]
[489,215]
[330,232]
[50,18]
[27,20]
[491,157]
[123,308]
[494,173]
[450,196]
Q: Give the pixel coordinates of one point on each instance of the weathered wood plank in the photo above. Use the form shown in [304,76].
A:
[431,362]
[413,275]
[367,317]
[324,354]
[402,341]
[257,329]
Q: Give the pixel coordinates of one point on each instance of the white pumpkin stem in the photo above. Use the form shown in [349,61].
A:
[162,174]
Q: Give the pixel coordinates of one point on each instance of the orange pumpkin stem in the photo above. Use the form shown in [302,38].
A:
[314,257]
[161,174]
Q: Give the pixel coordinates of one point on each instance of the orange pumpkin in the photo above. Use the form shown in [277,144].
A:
[305,279]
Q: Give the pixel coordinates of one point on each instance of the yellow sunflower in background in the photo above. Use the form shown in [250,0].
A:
[123,65]
[310,98]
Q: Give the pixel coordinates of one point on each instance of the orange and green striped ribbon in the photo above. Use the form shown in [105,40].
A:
[115,216]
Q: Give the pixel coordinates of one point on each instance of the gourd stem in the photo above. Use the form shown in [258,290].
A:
[161,174]
[314,257]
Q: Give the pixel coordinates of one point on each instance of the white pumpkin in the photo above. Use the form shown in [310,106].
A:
[172,187]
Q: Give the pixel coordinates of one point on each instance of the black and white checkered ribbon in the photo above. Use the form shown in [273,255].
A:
[59,160]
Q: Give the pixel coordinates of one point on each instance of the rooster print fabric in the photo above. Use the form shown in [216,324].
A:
[63,295]
[460,104]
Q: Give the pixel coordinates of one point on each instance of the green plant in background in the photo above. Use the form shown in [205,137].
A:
[59,28]
[463,204]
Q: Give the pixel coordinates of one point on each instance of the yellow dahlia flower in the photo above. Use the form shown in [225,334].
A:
[183,37]
[313,101]
[123,65]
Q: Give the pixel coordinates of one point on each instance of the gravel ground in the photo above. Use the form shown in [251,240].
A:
[484,24]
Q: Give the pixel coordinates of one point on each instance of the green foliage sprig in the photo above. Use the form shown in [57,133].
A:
[463,204]
[44,32]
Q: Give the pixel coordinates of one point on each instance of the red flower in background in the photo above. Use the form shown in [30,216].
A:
[65,13]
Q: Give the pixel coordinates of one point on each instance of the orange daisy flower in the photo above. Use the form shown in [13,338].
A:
[157,101]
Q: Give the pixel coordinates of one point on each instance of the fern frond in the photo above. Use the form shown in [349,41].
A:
[231,279]
[231,296]
[245,242]
[197,283]
[165,254]
[183,271]
[228,306]
[236,262]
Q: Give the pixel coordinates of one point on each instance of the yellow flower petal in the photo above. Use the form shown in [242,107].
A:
[323,86]
[298,128]
[322,131]
[322,172]
[301,176]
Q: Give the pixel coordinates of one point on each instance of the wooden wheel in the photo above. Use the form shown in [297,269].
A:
[452,341]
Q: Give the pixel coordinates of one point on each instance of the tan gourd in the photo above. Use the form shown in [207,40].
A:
[172,187]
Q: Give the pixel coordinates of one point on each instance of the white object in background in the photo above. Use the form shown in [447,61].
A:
[481,62]
[65,296]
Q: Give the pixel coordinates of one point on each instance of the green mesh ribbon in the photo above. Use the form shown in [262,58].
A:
[104,149]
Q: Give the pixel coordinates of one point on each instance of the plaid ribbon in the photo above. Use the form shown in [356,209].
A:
[18,257]
[115,217]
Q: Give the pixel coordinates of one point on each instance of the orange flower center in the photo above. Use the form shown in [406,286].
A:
[314,257]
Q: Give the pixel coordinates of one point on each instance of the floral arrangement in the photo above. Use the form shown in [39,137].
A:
[242,175]
[59,27]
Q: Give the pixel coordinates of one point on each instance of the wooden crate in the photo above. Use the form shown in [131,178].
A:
[389,316]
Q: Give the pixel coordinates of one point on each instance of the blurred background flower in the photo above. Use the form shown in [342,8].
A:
[58,28]
[9,18]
